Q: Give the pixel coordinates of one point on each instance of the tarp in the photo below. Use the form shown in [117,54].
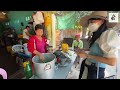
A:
[67,21]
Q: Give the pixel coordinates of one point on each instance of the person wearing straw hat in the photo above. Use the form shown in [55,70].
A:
[104,45]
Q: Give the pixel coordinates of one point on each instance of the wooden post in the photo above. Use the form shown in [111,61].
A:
[53,30]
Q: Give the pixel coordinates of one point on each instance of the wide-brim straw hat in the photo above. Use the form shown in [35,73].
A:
[96,14]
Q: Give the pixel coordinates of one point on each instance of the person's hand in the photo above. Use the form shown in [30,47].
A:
[83,55]
[41,57]
[78,50]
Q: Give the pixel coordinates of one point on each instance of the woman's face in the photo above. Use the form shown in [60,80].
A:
[94,25]
[39,32]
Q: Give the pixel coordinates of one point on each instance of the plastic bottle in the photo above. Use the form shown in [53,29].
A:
[65,47]
[27,70]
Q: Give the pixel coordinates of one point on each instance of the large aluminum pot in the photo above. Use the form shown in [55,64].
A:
[46,69]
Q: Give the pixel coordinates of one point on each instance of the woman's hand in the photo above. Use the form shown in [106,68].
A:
[39,54]
[41,57]
[82,54]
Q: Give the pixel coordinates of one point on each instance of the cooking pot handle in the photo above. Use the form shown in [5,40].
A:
[46,67]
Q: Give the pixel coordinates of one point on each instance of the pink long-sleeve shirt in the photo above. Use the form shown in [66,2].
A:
[35,44]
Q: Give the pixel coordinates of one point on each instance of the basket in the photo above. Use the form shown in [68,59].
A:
[17,48]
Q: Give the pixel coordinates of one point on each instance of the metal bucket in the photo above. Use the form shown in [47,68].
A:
[46,69]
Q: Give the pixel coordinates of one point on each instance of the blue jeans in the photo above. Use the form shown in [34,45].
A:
[92,71]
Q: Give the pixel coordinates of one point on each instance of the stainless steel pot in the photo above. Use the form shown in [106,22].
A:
[46,69]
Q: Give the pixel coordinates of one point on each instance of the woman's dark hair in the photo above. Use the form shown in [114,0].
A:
[98,33]
[38,26]
[27,26]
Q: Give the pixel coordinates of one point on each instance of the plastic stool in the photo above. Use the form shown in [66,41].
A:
[3,73]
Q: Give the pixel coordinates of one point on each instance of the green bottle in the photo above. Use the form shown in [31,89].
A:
[27,70]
